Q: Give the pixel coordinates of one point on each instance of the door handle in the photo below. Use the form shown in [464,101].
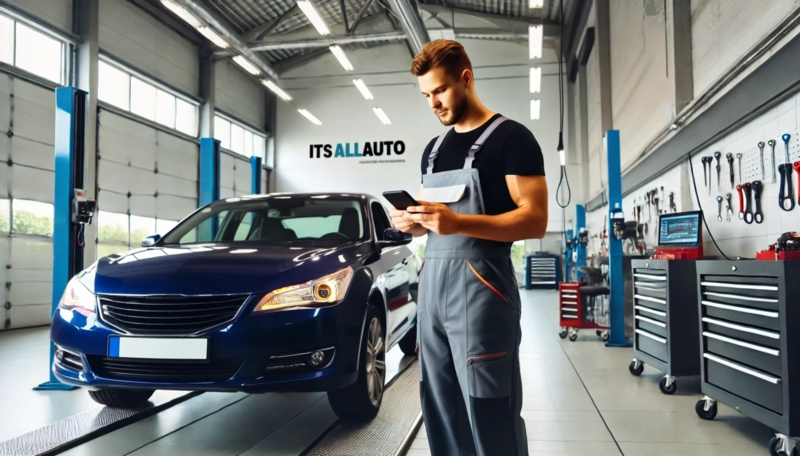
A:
[405,261]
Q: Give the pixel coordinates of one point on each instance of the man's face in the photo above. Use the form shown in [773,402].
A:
[446,95]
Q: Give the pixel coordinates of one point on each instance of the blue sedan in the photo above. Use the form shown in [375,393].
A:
[280,292]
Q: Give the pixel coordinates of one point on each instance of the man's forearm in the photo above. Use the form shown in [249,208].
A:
[521,223]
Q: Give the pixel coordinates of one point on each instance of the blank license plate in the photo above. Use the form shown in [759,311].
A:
[157,348]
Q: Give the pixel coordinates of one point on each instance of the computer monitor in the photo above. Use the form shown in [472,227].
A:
[680,230]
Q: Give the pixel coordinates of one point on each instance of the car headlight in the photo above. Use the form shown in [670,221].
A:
[77,297]
[318,292]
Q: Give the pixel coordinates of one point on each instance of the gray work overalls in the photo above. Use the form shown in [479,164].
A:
[469,330]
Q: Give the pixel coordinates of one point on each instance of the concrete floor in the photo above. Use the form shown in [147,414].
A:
[580,399]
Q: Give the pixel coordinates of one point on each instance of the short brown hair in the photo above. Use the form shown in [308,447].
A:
[441,53]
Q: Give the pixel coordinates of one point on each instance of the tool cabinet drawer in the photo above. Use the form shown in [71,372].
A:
[737,298]
[746,333]
[651,302]
[653,345]
[753,385]
[651,325]
[744,286]
[765,319]
[658,315]
[749,354]
[655,290]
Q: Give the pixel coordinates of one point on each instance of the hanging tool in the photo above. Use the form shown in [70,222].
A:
[729,209]
[741,202]
[761,154]
[705,161]
[739,157]
[663,200]
[771,143]
[719,208]
[758,186]
[647,197]
[717,155]
[748,201]
[796,167]
[787,193]
[672,206]
[729,156]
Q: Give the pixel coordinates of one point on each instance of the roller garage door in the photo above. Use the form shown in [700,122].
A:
[27,130]
[234,175]
[147,181]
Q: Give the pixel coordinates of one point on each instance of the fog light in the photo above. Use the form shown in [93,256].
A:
[59,353]
[316,358]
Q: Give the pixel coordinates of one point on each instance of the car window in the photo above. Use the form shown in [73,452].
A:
[313,226]
[380,219]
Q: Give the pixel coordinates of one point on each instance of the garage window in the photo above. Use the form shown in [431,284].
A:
[31,50]
[4,212]
[32,217]
[146,98]
[239,138]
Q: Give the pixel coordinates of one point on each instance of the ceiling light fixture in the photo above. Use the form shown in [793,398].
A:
[536,80]
[182,13]
[275,89]
[535,41]
[536,4]
[244,63]
[213,37]
[363,89]
[309,116]
[339,53]
[313,16]
[535,108]
[382,116]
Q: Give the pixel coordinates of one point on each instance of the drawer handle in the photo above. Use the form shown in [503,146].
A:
[769,351]
[770,334]
[648,298]
[762,313]
[651,321]
[543,283]
[648,287]
[743,369]
[652,336]
[649,310]
[651,277]
[741,297]
[740,287]
[569,310]
[569,316]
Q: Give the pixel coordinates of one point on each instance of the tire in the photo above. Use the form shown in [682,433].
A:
[634,370]
[606,336]
[408,344]
[702,413]
[121,397]
[573,336]
[662,385]
[562,334]
[360,402]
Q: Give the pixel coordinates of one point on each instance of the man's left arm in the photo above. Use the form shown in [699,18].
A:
[527,221]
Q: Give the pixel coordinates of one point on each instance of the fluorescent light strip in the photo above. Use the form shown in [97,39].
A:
[342,58]
[277,90]
[536,80]
[536,4]
[363,89]
[213,37]
[382,116]
[309,116]
[535,108]
[313,16]
[535,35]
[182,13]
[244,63]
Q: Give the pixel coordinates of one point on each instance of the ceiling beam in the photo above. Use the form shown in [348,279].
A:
[359,16]
[551,29]
[411,22]
[266,28]
[276,44]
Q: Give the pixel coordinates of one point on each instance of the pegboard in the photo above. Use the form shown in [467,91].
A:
[751,161]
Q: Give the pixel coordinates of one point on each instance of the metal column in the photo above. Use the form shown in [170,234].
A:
[69,174]
[256,169]
[580,224]
[209,180]
[615,278]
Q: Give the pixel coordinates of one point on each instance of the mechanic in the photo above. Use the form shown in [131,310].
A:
[483,187]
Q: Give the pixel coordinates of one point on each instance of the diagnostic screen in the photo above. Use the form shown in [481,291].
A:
[679,229]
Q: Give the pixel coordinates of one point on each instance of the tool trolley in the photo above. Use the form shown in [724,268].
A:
[750,344]
[665,320]
[582,307]
[542,271]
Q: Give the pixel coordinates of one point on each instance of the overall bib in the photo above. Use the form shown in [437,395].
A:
[469,328]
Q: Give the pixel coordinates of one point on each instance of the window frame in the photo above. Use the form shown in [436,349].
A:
[67,42]
[248,129]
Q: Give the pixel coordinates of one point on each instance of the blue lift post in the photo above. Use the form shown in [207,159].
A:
[209,181]
[580,223]
[567,275]
[69,164]
[615,278]
[255,175]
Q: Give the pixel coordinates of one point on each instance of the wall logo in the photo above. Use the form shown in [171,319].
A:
[367,149]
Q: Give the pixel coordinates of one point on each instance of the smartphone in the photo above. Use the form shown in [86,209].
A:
[400,199]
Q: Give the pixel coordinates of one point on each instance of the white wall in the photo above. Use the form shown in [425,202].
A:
[55,12]
[239,95]
[129,33]
[347,118]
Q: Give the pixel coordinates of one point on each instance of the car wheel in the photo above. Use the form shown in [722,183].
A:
[121,397]
[362,400]
[408,344]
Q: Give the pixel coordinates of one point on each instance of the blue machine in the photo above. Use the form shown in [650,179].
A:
[542,271]
[615,256]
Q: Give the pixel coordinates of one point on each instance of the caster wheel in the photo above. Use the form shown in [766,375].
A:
[606,336]
[636,370]
[775,444]
[599,333]
[709,414]
[562,334]
[573,336]
[662,385]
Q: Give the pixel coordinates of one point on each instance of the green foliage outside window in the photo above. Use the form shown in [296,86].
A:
[3,222]
[28,223]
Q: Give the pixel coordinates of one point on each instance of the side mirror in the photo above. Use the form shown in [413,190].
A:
[151,240]
[393,237]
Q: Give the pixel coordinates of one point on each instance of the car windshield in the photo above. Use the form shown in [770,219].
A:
[294,219]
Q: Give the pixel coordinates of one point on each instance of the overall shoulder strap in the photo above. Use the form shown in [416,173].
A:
[482,139]
[435,150]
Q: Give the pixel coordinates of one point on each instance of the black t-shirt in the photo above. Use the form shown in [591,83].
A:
[510,150]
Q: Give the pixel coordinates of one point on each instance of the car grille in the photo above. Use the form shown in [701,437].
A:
[158,370]
[170,314]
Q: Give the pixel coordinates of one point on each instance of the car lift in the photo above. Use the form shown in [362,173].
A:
[615,279]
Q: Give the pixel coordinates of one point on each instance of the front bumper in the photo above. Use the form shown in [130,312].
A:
[250,339]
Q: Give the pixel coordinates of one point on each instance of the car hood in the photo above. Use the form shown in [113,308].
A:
[219,268]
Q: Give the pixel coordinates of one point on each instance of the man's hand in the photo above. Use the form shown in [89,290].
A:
[435,217]
[401,221]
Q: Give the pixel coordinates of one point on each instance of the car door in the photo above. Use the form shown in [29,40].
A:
[396,278]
